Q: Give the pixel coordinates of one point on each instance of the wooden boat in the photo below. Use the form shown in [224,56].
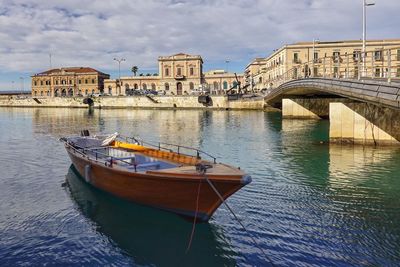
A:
[159,175]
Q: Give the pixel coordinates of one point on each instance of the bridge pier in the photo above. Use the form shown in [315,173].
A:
[307,108]
[363,123]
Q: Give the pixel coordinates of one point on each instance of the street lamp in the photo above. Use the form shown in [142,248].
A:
[227,65]
[313,55]
[119,60]
[22,84]
[365,4]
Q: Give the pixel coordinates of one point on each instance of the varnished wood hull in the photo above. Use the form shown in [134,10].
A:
[177,194]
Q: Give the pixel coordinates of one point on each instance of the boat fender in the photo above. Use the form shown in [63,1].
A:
[87,173]
[246,179]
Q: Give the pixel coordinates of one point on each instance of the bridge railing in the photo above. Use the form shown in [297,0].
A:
[379,64]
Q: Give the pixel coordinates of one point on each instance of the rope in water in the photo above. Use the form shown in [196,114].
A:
[234,215]
[195,217]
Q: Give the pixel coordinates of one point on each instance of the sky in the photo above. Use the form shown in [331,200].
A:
[91,33]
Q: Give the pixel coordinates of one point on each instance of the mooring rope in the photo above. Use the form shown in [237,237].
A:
[203,170]
[195,218]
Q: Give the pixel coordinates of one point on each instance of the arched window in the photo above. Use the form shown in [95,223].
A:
[144,86]
[41,93]
[191,86]
[86,92]
[225,83]
[166,86]
[48,93]
[56,92]
[64,92]
[135,86]
[109,90]
[166,71]
[216,85]
[70,92]
[153,87]
[35,93]
[260,80]
[80,92]
[92,91]
[126,86]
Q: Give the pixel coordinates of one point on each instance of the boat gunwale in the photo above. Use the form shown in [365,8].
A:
[234,178]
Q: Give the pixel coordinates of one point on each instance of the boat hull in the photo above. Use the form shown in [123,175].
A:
[188,196]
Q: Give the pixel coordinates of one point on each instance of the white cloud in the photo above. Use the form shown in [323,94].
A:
[91,33]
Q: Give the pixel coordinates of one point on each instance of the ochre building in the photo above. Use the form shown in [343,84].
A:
[178,74]
[74,81]
[346,55]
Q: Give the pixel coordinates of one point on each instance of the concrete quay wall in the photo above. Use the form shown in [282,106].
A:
[162,102]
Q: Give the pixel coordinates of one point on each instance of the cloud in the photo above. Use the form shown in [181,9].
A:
[91,33]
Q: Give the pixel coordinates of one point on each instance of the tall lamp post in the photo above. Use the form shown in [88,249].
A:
[227,65]
[365,4]
[22,84]
[119,60]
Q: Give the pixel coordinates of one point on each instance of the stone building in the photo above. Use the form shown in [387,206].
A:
[74,81]
[178,74]
[263,71]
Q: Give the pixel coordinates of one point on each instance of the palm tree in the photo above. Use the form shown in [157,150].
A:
[134,70]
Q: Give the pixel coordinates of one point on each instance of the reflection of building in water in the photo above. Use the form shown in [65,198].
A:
[345,161]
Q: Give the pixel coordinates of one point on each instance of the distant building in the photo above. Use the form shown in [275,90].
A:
[262,72]
[74,81]
[178,74]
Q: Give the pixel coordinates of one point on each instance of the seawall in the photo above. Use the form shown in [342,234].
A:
[161,102]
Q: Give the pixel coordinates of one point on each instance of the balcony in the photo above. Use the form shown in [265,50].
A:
[179,77]
[296,61]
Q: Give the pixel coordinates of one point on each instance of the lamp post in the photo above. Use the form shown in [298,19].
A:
[365,4]
[119,60]
[22,84]
[227,65]
[313,55]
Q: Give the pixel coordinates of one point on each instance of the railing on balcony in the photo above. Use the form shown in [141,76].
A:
[346,66]
[179,77]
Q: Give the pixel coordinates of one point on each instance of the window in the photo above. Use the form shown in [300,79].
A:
[378,55]
[144,86]
[35,83]
[153,87]
[86,92]
[398,72]
[41,82]
[336,56]
[86,81]
[315,56]
[109,90]
[70,81]
[315,72]
[79,81]
[191,86]
[179,71]
[166,86]
[260,80]
[191,71]
[48,93]
[225,84]
[41,93]
[56,82]
[356,55]
[166,71]
[398,54]
[135,86]
[35,93]
[296,58]
[377,72]
[93,81]
[63,82]
[216,86]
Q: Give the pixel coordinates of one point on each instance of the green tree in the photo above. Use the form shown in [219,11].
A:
[134,70]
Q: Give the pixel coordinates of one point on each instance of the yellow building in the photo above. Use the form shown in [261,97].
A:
[179,74]
[343,57]
[75,81]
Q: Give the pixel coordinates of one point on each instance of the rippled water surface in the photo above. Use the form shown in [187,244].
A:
[310,203]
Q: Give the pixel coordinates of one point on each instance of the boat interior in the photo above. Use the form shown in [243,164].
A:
[130,160]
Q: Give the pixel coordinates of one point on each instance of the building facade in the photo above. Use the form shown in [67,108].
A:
[316,57]
[179,74]
[74,81]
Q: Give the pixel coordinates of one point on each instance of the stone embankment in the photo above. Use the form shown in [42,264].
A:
[154,102]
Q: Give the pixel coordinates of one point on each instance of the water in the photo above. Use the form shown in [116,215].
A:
[310,203]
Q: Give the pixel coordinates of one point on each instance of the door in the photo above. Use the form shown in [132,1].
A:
[179,88]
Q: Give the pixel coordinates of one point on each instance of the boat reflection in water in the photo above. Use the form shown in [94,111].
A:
[148,235]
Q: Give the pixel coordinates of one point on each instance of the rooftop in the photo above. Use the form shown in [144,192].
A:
[70,70]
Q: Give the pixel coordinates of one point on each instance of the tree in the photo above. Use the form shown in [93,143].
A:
[134,70]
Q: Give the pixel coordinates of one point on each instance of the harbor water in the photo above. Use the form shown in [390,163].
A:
[310,203]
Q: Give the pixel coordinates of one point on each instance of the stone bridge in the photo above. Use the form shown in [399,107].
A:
[361,107]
